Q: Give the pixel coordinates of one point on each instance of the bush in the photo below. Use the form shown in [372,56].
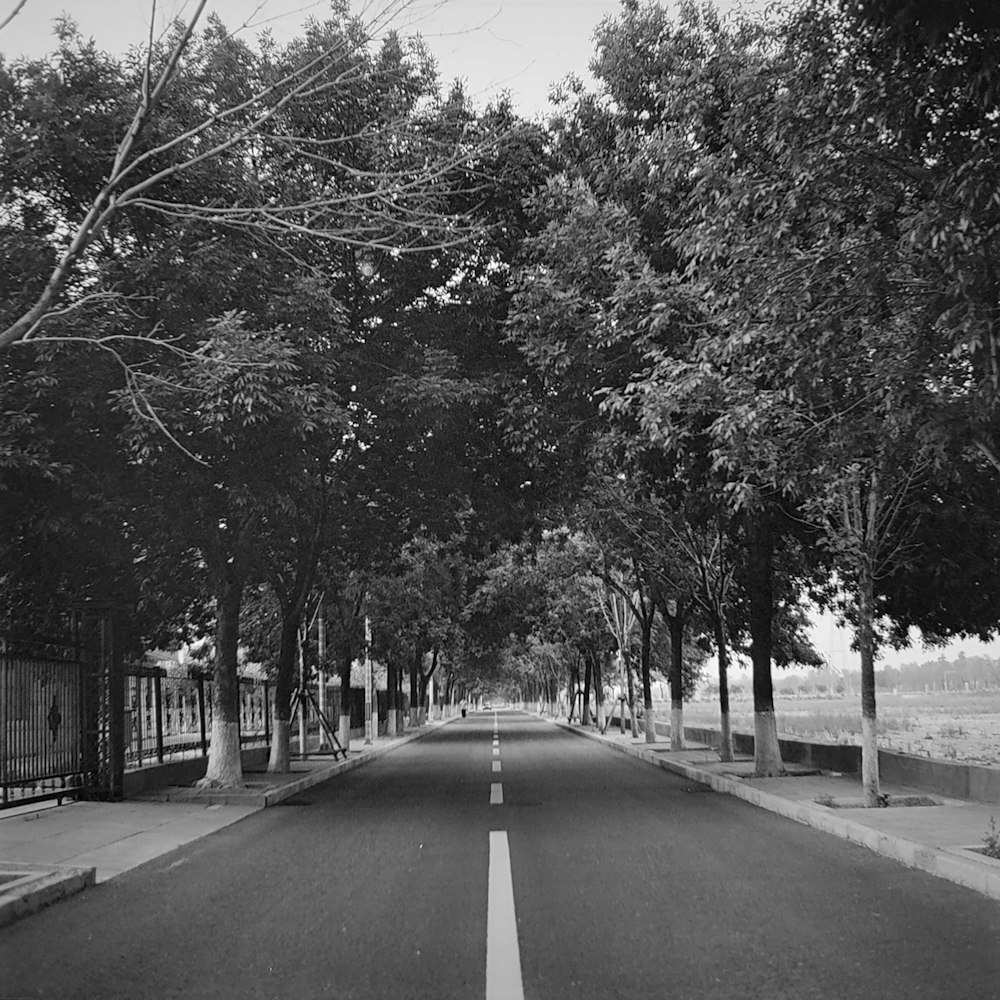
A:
[991,842]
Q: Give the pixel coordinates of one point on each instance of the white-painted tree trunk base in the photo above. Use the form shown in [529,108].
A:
[225,763]
[650,724]
[767,751]
[344,731]
[634,724]
[726,743]
[677,729]
[279,761]
[600,718]
[869,762]
[390,723]
[414,718]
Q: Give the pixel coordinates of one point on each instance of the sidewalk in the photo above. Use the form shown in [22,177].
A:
[49,852]
[924,830]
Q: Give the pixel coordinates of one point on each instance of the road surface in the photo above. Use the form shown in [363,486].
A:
[507,859]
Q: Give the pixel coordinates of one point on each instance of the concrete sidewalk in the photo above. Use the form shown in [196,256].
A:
[922,830]
[48,851]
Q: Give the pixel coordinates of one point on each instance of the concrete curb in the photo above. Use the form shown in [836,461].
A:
[272,796]
[37,887]
[287,791]
[957,865]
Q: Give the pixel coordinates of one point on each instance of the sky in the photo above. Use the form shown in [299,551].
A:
[522,46]
[519,45]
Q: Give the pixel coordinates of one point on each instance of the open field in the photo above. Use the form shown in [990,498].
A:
[961,726]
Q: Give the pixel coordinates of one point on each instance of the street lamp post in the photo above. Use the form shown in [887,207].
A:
[369,682]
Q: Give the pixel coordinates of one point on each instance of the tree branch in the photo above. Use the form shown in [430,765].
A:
[10,17]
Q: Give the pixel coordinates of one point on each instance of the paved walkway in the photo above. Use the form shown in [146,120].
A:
[48,851]
[940,838]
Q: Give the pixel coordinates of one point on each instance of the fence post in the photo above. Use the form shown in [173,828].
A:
[201,716]
[134,699]
[113,670]
[4,728]
[158,708]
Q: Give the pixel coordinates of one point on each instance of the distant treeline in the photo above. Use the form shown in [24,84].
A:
[964,673]
[961,674]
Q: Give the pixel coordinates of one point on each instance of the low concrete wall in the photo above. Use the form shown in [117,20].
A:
[957,781]
[944,777]
[183,772]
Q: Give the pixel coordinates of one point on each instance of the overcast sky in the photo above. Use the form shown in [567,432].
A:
[522,46]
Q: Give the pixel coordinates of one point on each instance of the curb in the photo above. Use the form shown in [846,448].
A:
[957,865]
[287,791]
[272,796]
[37,887]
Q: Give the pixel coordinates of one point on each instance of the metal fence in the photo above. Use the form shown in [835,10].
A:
[73,718]
[43,725]
[168,718]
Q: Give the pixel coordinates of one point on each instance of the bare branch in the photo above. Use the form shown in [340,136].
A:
[10,17]
[396,210]
[988,453]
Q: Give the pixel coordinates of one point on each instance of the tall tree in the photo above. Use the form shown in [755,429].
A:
[245,422]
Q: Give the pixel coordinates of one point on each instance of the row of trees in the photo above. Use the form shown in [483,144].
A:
[545,403]
[249,350]
[766,273]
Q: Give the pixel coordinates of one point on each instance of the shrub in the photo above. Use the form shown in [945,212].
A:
[991,842]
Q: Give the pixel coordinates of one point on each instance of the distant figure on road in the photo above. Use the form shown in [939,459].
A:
[464,706]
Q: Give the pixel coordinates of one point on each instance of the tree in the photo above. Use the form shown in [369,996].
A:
[176,120]
[246,421]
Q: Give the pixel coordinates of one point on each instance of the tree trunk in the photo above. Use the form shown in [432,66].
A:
[599,690]
[676,624]
[573,682]
[344,727]
[630,682]
[390,696]
[649,726]
[415,687]
[423,681]
[449,695]
[866,647]
[722,649]
[225,765]
[588,671]
[279,761]
[767,752]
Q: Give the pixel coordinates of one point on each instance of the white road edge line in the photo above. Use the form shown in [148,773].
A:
[503,957]
[496,793]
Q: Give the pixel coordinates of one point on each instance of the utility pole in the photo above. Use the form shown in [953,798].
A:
[303,714]
[369,681]
[321,650]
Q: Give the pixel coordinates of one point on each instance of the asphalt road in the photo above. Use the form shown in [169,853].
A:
[621,880]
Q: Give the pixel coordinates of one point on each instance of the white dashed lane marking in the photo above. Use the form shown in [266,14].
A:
[503,956]
[496,794]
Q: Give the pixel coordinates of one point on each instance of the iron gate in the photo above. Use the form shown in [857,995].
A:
[61,715]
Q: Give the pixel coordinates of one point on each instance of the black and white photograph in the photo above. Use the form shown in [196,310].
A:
[499,499]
